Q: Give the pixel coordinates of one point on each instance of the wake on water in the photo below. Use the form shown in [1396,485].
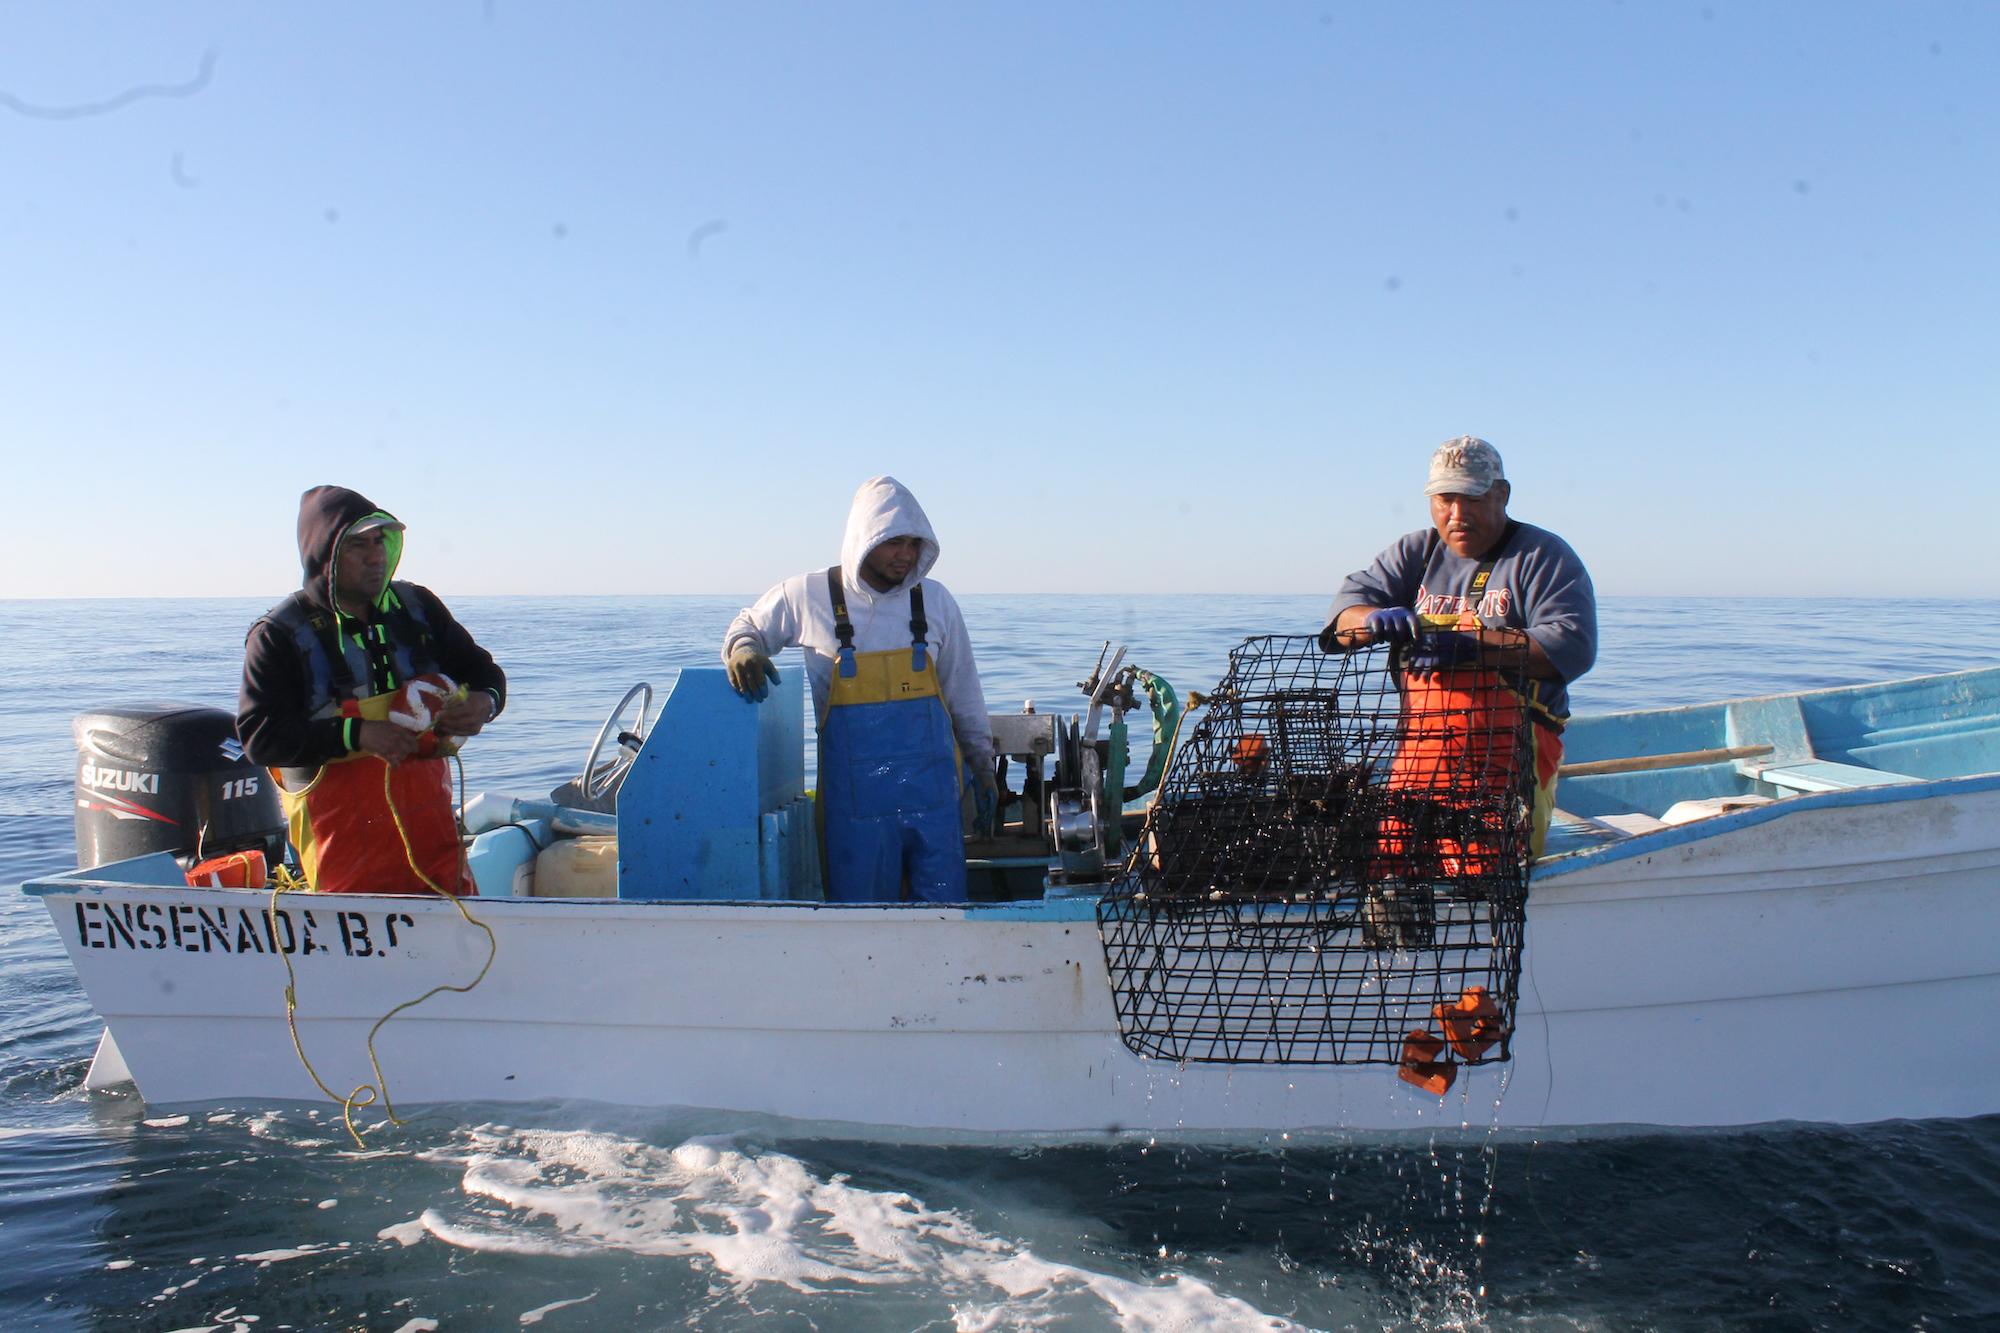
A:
[595,1228]
[756,1218]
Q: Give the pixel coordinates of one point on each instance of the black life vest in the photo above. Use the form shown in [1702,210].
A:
[394,647]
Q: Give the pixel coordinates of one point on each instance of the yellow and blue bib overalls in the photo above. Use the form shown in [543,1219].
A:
[888,771]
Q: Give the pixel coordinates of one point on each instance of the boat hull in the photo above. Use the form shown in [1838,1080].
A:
[1831,960]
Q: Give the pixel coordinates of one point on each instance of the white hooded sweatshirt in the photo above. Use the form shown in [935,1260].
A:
[798,612]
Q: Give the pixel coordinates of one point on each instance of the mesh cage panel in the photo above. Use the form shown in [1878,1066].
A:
[1338,854]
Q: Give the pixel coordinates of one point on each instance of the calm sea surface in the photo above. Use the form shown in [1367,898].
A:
[567,1217]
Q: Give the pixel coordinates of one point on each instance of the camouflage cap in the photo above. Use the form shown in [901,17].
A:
[379,519]
[1467,465]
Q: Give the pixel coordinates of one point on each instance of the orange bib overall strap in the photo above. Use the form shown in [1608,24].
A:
[888,771]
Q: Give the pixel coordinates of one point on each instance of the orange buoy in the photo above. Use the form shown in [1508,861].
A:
[1472,1025]
[1420,1066]
[1252,755]
[237,870]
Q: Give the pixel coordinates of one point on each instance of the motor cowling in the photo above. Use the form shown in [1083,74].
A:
[169,778]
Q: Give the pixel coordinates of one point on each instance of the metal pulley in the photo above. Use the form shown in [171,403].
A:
[1077,816]
[1077,807]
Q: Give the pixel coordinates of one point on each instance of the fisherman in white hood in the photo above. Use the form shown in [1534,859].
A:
[901,715]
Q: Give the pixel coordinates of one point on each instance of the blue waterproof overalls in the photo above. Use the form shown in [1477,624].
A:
[888,771]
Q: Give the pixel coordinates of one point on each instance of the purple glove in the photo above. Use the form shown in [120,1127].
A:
[1442,651]
[1394,624]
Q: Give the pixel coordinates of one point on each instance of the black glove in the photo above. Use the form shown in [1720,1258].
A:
[1441,652]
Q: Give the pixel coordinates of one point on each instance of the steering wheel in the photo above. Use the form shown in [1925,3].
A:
[594,783]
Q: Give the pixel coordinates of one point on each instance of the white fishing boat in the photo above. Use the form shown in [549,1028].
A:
[1772,909]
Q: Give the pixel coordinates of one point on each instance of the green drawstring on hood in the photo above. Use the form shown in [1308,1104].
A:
[327,515]
[386,600]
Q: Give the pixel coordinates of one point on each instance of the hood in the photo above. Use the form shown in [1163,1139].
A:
[883,509]
[325,515]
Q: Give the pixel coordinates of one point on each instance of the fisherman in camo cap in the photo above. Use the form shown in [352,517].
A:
[1489,614]
[355,688]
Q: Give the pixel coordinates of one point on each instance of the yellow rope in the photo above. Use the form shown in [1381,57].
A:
[492,942]
[284,881]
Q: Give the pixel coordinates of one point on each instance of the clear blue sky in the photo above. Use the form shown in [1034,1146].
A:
[1136,297]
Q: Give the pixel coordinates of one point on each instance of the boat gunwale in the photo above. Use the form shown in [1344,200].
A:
[1064,909]
[1083,906]
[1700,830]
[1882,687]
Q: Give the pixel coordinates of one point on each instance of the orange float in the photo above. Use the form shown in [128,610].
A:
[1420,1066]
[237,870]
[1472,1025]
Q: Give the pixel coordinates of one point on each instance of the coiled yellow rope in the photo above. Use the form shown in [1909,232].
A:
[284,881]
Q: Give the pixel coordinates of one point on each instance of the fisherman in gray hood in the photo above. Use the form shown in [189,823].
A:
[901,715]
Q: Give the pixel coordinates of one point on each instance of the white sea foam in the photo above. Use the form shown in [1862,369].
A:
[534,1316]
[268,1257]
[166,1122]
[275,1125]
[405,1234]
[763,1217]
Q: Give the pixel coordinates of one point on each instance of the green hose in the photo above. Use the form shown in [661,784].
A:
[1166,720]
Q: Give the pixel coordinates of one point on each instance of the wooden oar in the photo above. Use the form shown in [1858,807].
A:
[1640,763]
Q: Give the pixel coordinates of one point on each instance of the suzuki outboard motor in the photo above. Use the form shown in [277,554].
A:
[169,778]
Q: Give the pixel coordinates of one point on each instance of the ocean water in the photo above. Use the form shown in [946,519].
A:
[578,1216]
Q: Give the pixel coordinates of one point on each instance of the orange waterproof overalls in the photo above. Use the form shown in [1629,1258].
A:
[358,823]
[1468,735]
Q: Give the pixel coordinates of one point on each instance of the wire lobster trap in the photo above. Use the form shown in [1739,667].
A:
[1335,870]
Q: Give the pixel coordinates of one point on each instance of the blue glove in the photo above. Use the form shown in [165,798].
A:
[1442,651]
[1395,624]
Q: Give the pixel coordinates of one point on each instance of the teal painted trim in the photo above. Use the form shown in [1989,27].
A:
[1681,835]
[160,870]
[1081,907]
[1836,717]
[157,869]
